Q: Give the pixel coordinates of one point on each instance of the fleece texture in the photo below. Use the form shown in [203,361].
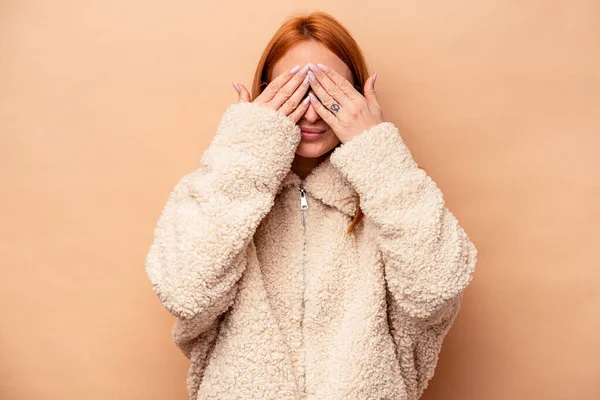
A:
[277,302]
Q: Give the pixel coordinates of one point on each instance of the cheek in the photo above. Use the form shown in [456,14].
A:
[331,140]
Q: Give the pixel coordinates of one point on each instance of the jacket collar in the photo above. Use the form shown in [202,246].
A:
[326,183]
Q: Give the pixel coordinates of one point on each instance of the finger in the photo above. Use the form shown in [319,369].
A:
[300,110]
[288,90]
[346,87]
[324,113]
[238,90]
[324,97]
[294,100]
[330,86]
[369,90]
[244,95]
[276,84]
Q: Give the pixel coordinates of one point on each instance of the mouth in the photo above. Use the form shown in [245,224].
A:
[311,133]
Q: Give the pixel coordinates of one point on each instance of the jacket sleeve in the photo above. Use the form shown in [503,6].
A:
[198,251]
[428,258]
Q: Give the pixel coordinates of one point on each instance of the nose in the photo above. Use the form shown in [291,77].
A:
[311,115]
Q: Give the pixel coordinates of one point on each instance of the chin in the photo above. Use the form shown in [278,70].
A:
[314,149]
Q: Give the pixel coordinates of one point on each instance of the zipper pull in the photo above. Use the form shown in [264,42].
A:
[303,202]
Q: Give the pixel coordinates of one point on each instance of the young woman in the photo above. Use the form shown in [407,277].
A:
[281,287]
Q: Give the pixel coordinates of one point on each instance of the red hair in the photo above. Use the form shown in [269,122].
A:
[325,29]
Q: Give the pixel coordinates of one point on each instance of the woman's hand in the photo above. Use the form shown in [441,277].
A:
[341,106]
[283,94]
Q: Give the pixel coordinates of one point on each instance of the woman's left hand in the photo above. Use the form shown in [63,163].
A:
[341,106]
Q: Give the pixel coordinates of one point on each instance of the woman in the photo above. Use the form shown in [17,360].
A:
[281,287]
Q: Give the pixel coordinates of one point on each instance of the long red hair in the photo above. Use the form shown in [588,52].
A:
[325,29]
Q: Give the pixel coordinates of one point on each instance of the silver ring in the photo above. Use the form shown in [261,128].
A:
[335,107]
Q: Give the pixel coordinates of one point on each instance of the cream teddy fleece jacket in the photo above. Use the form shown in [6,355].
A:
[273,300]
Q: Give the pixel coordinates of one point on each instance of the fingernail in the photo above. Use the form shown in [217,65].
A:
[305,101]
[311,76]
[313,68]
[236,87]
[295,69]
[305,81]
[374,78]
[312,97]
[323,67]
[304,70]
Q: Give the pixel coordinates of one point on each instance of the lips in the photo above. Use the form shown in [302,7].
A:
[312,130]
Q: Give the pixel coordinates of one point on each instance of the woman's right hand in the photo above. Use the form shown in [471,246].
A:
[283,94]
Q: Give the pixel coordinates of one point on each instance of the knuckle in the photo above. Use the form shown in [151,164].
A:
[345,85]
[291,103]
[286,91]
[274,87]
[334,90]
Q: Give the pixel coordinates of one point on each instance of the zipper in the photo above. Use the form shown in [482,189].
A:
[303,202]
[303,208]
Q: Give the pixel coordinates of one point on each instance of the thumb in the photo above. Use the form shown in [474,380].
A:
[243,94]
[369,89]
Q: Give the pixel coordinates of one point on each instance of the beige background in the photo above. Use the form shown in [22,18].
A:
[104,105]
